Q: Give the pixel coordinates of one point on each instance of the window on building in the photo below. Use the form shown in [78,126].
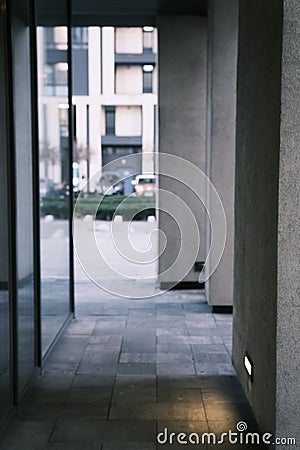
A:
[49,37]
[56,82]
[147,37]
[147,78]
[63,120]
[60,36]
[110,120]
[80,37]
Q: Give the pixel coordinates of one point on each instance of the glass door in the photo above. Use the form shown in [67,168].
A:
[5,356]
[55,160]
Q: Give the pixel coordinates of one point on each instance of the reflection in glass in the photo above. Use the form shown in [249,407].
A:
[54,157]
[23,191]
[5,374]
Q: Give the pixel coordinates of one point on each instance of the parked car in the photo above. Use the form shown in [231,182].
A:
[47,187]
[63,190]
[144,185]
[110,184]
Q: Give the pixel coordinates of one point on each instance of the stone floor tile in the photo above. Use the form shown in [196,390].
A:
[129,446]
[212,358]
[141,323]
[136,369]
[24,431]
[139,346]
[92,410]
[138,357]
[104,357]
[93,381]
[184,395]
[175,358]
[112,318]
[23,446]
[73,446]
[175,369]
[109,325]
[124,369]
[135,380]
[228,412]
[208,348]
[128,389]
[214,369]
[107,340]
[171,381]
[81,326]
[173,348]
[93,429]
[88,395]
[61,368]
[158,411]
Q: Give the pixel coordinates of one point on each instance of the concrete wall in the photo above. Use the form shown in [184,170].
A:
[288,304]
[221,115]
[182,122]
[256,202]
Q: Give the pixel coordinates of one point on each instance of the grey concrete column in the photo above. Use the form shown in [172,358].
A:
[182,125]
[288,277]
[220,143]
[267,220]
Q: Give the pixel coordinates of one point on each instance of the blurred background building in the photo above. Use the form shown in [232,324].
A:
[114,100]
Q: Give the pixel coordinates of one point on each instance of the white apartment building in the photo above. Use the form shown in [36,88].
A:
[114,100]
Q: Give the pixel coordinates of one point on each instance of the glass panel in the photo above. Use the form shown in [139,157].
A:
[24,196]
[147,39]
[110,113]
[5,388]
[54,161]
[147,82]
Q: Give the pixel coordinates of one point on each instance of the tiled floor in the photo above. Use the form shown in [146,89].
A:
[126,370]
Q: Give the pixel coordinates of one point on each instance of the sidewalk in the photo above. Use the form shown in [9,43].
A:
[126,369]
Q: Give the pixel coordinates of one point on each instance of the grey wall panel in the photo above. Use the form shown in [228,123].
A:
[256,202]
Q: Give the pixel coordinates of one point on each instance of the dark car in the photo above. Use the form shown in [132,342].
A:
[47,187]
[110,184]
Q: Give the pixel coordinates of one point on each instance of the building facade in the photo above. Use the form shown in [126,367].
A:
[114,100]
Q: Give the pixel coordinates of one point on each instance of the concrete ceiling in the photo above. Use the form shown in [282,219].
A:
[116,12]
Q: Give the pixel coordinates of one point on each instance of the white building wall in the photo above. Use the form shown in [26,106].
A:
[61,37]
[128,121]
[102,121]
[81,142]
[129,80]
[95,139]
[108,60]
[94,55]
[148,137]
[155,80]
[155,40]
[129,40]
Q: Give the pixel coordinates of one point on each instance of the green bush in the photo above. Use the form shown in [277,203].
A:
[138,208]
